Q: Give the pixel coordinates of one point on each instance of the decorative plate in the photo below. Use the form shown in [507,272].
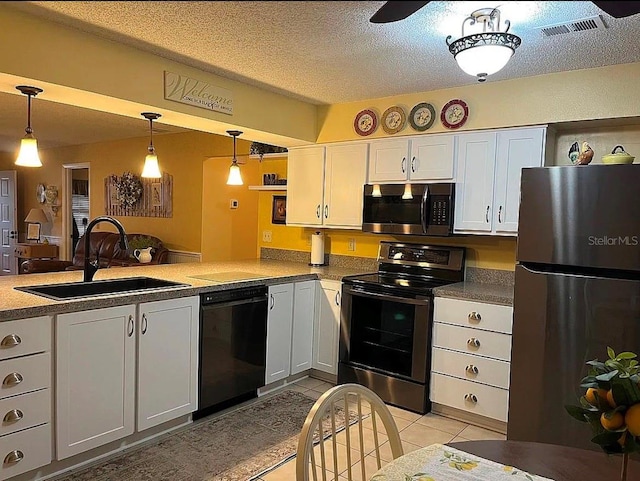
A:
[393,120]
[454,114]
[422,116]
[40,193]
[366,122]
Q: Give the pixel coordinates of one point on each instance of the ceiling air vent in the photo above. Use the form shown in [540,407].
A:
[590,23]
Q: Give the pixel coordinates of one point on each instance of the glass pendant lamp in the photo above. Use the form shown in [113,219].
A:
[28,155]
[151,169]
[234,170]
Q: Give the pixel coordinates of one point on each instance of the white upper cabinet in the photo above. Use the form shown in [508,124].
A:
[474,182]
[305,185]
[488,179]
[325,185]
[424,158]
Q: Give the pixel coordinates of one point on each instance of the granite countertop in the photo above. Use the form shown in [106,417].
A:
[16,304]
[477,291]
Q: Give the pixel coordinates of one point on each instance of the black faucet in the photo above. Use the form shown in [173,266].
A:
[90,268]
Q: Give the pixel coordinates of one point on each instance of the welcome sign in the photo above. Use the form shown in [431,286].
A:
[195,92]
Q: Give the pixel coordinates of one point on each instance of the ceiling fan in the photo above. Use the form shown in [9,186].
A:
[397,10]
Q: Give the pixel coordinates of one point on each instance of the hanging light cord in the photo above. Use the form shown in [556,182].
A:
[151,149]
[28,130]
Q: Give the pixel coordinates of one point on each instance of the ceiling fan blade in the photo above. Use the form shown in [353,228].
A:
[394,11]
[615,9]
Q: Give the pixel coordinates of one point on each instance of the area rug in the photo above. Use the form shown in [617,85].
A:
[237,446]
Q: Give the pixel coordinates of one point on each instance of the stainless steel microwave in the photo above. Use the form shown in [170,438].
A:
[412,209]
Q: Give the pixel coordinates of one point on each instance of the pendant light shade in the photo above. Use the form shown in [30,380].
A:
[234,171]
[28,155]
[151,169]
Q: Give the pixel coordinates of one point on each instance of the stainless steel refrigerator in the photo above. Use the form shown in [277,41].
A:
[577,291]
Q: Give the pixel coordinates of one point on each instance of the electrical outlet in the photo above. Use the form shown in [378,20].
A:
[351,246]
[233,204]
[266,236]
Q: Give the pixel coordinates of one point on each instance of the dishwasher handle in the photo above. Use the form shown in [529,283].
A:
[217,305]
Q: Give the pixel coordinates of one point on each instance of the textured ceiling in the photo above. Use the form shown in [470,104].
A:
[329,52]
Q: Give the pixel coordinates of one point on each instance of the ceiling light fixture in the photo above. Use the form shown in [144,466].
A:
[28,155]
[151,170]
[234,170]
[484,53]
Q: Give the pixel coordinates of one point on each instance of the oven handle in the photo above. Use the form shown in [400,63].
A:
[423,208]
[376,295]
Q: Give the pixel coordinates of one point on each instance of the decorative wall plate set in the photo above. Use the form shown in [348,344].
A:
[422,116]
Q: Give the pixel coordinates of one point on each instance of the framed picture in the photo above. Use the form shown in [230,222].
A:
[156,194]
[279,210]
[33,232]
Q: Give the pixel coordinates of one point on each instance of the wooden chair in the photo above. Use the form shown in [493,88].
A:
[342,399]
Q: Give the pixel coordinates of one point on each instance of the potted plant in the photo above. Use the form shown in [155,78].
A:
[142,247]
[611,404]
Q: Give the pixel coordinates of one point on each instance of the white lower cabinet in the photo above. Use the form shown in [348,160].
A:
[302,337]
[96,366]
[279,326]
[471,357]
[167,360]
[326,327]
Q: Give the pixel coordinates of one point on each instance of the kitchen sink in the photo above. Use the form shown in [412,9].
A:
[75,290]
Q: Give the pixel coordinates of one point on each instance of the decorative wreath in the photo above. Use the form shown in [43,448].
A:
[128,188]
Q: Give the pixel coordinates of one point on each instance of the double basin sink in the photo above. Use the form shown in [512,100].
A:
[78,290]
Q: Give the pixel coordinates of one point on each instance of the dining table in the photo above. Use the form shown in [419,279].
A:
[497,460]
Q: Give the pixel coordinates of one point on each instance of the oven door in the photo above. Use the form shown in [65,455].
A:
[386,331]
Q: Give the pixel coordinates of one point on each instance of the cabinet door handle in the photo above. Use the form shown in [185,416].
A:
[13,416]
[11,340]
[130,326]
[338,298]
[471,398]
[318,211]
[473,342]
[413,164]
[486,215]
[12,379]
[500,215]
[273,302]
[404,160]
[471,369]
[326,211]
[474,316]
[145,324]
[13,457]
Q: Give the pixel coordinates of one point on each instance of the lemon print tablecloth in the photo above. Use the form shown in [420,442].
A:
[442,463]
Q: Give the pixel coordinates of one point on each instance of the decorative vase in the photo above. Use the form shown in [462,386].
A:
[143,255]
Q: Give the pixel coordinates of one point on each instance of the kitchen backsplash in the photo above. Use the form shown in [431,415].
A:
[366,264]
[489,276]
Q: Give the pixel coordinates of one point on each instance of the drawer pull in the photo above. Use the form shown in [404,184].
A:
[471,398]
[475,316]
[10,341]
[471,369]
[13,416]
[12,379]
[473,342]
[13,457]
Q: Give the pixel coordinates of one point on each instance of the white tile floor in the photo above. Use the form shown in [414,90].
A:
[416,431]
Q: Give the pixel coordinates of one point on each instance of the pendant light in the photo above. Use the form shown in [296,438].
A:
[151,169]
[28,156]
[234,171]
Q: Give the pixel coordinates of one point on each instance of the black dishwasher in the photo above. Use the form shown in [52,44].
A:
[233,347]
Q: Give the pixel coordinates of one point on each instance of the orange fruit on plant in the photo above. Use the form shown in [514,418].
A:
[610,400]
[612,421]
[632,419]
[591,394]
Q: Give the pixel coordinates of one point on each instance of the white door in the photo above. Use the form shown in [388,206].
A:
[305,183]
[432,157]
[516,149]
[95,378]
[302,338]
[327,326]
[388,161]
[8,223]
[279,325]
[474,182]
[344,178]
[167,360]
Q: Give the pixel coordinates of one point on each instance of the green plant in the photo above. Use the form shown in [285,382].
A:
[142,242]
[611,404]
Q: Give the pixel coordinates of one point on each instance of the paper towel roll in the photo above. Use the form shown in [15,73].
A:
[317,249]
